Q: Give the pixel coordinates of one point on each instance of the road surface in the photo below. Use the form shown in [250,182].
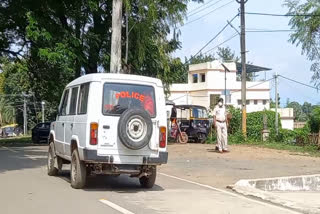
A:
[26,188]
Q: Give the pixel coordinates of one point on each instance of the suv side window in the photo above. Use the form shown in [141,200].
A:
[73,101]
[83,98]
[63,108]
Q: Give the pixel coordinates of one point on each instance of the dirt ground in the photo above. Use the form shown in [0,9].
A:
[200,163]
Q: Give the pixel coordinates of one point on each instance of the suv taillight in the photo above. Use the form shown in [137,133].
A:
[93,133]
[163,137]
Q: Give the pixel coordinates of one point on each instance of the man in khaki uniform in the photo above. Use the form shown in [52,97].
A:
[220,123]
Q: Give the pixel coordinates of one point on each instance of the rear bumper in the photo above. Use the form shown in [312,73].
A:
[92,156]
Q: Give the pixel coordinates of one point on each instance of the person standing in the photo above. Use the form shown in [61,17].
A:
[220,123]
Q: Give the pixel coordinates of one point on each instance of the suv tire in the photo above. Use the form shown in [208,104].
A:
[148,181]
[52,170]
[78,174]
[135,128]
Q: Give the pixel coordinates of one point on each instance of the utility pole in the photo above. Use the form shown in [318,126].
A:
[244,68]
[24,114]
[115,62]
[127,36]
[42,109]
[276,100]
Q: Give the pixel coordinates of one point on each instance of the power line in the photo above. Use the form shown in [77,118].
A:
[208,13]
[255,85]
[214,37]
[283,15]
[268,31]
[222,43]
[301,83]
[194,13]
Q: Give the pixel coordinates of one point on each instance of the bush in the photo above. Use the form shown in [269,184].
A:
[286,136]
[314,121]
[302,135]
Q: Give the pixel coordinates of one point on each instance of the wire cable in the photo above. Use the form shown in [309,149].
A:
[208,13]
[222,43]
[268,31]
[254,85]
[194,13]
[301,83]
[282,15]
[213,38]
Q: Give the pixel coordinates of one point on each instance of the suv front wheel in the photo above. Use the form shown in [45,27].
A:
[78,171]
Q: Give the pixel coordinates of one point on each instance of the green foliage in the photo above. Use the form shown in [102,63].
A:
[255,124]
[286,136]
[306,32]
[314,121]
[302,135]
[235,122]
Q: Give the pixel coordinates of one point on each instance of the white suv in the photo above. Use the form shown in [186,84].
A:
[110,124]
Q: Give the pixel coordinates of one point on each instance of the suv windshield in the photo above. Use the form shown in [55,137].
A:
[119,97]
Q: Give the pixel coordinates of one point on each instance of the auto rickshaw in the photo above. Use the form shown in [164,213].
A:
[194,121]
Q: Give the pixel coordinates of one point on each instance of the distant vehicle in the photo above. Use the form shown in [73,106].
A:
[40,132]
[194,121]
[11,130]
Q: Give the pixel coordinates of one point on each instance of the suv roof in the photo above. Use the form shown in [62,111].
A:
[104,76]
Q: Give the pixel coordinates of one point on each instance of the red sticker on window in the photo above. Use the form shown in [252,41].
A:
[133,95]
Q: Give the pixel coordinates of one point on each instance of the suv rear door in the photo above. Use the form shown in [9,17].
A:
[117,98]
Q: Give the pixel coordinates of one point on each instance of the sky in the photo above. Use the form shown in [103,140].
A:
[271,50]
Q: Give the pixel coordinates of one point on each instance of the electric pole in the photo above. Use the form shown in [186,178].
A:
[115,62]
[42,109]
[276,100]
[24,114]
[127,36]
[244,68]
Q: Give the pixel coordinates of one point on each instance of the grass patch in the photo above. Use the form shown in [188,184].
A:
[311,150]
[16,141]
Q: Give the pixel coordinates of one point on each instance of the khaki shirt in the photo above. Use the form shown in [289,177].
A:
[220,113]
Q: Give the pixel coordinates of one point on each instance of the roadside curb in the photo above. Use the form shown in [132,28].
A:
[260,188]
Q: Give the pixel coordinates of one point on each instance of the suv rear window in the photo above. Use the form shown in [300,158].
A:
[119,97]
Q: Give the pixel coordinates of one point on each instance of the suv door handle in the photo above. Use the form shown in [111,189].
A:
[106,127]
[71,125]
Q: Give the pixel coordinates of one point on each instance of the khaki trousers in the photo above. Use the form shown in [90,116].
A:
[222,136]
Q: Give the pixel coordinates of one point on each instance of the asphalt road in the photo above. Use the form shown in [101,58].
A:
[26,188]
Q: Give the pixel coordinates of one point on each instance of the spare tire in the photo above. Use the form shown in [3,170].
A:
[135,128]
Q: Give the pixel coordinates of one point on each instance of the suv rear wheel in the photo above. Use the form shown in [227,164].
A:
[148,181]
[78,171]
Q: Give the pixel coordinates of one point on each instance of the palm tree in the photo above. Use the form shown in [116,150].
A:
[7,112]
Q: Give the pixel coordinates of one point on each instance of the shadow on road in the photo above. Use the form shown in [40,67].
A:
[18,158]
[119,184]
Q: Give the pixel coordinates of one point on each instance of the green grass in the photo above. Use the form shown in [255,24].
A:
[310,150]
[16,141]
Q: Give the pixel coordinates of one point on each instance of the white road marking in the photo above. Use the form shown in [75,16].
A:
[229,193]
[115,206]
[11,150]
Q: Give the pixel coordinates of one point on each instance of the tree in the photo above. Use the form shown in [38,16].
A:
[56,41]
[306,32]
[314,121]
[226,54]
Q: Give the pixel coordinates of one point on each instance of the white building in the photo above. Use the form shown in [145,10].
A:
[207,82]
[286,117]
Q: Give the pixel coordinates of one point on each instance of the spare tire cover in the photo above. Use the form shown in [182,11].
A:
[135,128]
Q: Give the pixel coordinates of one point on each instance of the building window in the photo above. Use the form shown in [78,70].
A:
[195,78]
[264,102]
[203,77]
[248,102]
[256,102]
[239,102]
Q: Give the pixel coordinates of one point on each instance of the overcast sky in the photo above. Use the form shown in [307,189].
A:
[270,50]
